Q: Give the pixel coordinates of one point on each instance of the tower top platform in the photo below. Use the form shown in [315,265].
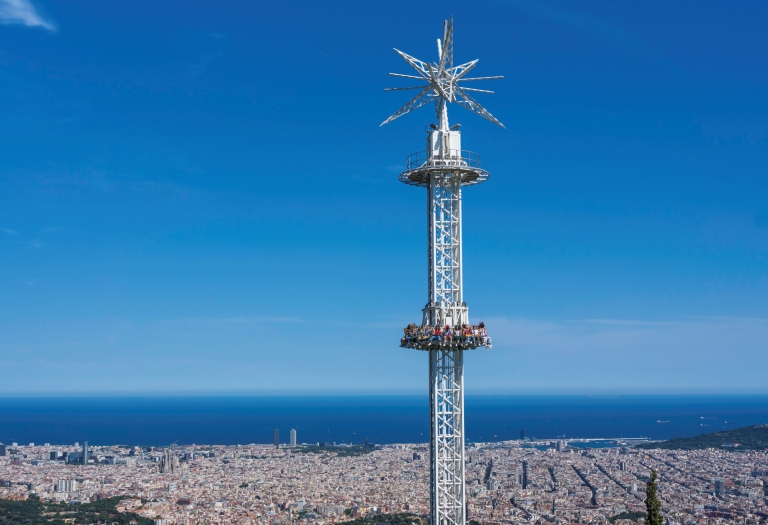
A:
[457,163]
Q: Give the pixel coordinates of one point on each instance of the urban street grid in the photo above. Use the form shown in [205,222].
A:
[506,482]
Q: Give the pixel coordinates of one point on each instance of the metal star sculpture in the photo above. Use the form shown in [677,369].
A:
[442,83]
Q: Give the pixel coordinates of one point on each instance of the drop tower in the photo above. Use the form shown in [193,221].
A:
[445,331]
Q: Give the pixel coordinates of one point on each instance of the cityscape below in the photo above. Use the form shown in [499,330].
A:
[519,481]
[285,474]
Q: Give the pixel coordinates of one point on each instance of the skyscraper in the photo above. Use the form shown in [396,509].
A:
[293,437]
[525,474]
[85,453]
[66,485]
[277,438]
[522,435]
[719,487]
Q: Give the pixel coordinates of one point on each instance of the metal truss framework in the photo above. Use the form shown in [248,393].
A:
[446,303]
[443,171]
[447,490]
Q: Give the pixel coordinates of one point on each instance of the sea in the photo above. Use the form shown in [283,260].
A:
[382,419]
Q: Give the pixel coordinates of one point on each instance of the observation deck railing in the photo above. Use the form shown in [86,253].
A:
[455,158]
[458,163]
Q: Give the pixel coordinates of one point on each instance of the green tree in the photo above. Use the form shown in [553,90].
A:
[652,503]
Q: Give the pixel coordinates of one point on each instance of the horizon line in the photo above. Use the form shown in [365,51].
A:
[386,393]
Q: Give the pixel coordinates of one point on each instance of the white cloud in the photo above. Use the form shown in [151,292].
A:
[22,12]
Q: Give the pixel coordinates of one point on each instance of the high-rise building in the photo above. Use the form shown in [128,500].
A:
[519,476]
[525,475]
[66,485]
[3,450]
[622,465]
[719,487]
[560,445]
[293,437]
[54,455]
[85,453]
[443,170]
[277,438]
[522,435]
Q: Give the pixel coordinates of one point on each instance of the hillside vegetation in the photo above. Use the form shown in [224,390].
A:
[388,519]
[745,438]
[36,512]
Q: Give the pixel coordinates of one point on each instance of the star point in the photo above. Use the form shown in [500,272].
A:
[442,82]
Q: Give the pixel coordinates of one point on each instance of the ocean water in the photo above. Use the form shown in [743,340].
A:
[351,419]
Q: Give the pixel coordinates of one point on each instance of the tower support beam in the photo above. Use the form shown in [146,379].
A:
[446,304]
[447,490]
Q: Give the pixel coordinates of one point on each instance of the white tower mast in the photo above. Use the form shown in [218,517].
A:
[443,169]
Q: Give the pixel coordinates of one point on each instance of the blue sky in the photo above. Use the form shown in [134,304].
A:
[197,196]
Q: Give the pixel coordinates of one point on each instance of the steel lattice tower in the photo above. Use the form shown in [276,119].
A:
[444,169]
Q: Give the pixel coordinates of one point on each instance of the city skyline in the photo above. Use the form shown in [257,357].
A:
[506,483]
[167,174]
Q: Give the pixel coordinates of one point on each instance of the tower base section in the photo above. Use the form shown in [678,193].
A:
[446,395]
